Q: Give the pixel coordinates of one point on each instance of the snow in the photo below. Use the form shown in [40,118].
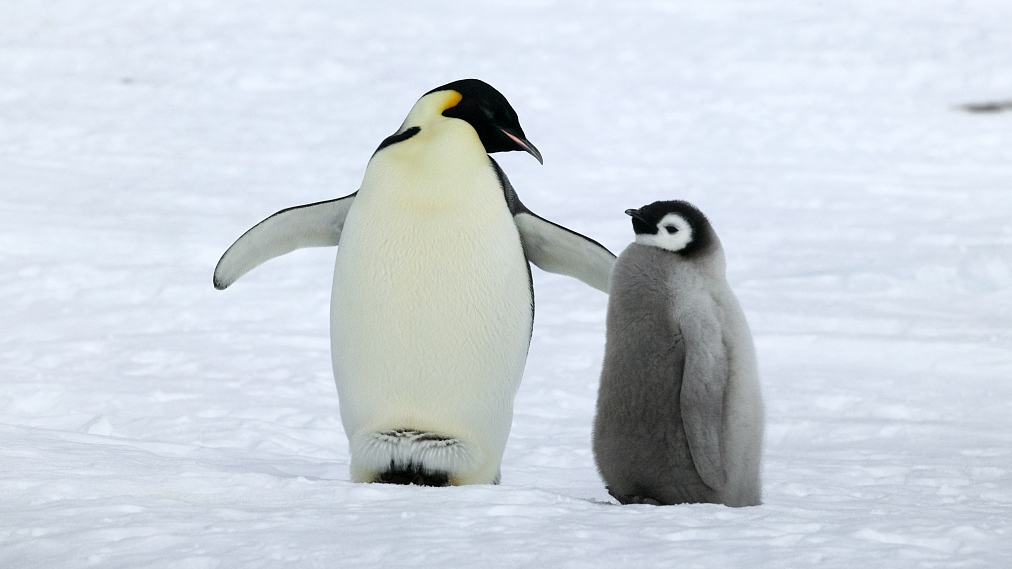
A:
[151,421]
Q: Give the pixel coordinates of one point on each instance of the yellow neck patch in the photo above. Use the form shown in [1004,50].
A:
[429,109]
[451,100]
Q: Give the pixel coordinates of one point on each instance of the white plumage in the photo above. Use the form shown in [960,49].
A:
[432,304]
[432,309]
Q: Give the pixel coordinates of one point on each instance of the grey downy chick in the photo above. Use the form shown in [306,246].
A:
[679,410]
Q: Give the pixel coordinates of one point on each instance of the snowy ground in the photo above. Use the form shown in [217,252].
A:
[148,420]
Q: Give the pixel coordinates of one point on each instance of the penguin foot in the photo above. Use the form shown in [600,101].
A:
[642,500]
[633,498]
[412,474]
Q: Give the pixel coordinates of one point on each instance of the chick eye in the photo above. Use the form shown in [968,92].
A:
[671,229]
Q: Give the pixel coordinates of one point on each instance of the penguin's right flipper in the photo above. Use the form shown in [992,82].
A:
[555,249]
[312,225]
[704,379]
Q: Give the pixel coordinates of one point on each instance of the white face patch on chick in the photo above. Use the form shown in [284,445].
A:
[673,233]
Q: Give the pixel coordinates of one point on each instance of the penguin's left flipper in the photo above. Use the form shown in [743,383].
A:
[312,225]
[552,247]
[702,399]
[555,249]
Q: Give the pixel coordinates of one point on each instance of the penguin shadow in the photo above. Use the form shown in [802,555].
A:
[989,107]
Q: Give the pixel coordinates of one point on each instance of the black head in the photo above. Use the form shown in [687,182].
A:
[676,226]
[491,115]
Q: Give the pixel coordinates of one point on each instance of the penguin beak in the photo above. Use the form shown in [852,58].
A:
[639,224]
[524,145]
[635,214]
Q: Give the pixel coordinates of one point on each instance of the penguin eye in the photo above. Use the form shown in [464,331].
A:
[671,229]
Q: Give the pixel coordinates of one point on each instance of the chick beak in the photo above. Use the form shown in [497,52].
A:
[635,213]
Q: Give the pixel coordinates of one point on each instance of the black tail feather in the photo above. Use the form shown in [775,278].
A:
[413,474]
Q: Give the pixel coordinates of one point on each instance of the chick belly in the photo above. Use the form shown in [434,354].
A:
[432,342]
[639,441]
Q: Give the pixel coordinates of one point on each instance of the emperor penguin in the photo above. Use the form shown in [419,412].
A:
[432,303]
[679,410]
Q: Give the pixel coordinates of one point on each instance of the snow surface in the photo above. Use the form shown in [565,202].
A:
[148,420]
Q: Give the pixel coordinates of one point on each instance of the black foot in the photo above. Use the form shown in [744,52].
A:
[633,499]
[412,474]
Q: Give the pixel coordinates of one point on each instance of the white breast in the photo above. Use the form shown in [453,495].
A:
[431,310]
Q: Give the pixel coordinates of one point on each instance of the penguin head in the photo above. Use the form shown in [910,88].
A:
[487,111]
[675,226]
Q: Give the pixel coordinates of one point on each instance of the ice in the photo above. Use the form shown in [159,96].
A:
[149,420]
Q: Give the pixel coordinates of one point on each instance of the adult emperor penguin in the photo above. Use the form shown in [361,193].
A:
[679,411]
[432,304]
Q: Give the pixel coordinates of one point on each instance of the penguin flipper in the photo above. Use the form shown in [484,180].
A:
[552,247]
[702,398]
[555,249]
[312,225]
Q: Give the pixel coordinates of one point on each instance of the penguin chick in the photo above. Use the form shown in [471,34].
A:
[679,410]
